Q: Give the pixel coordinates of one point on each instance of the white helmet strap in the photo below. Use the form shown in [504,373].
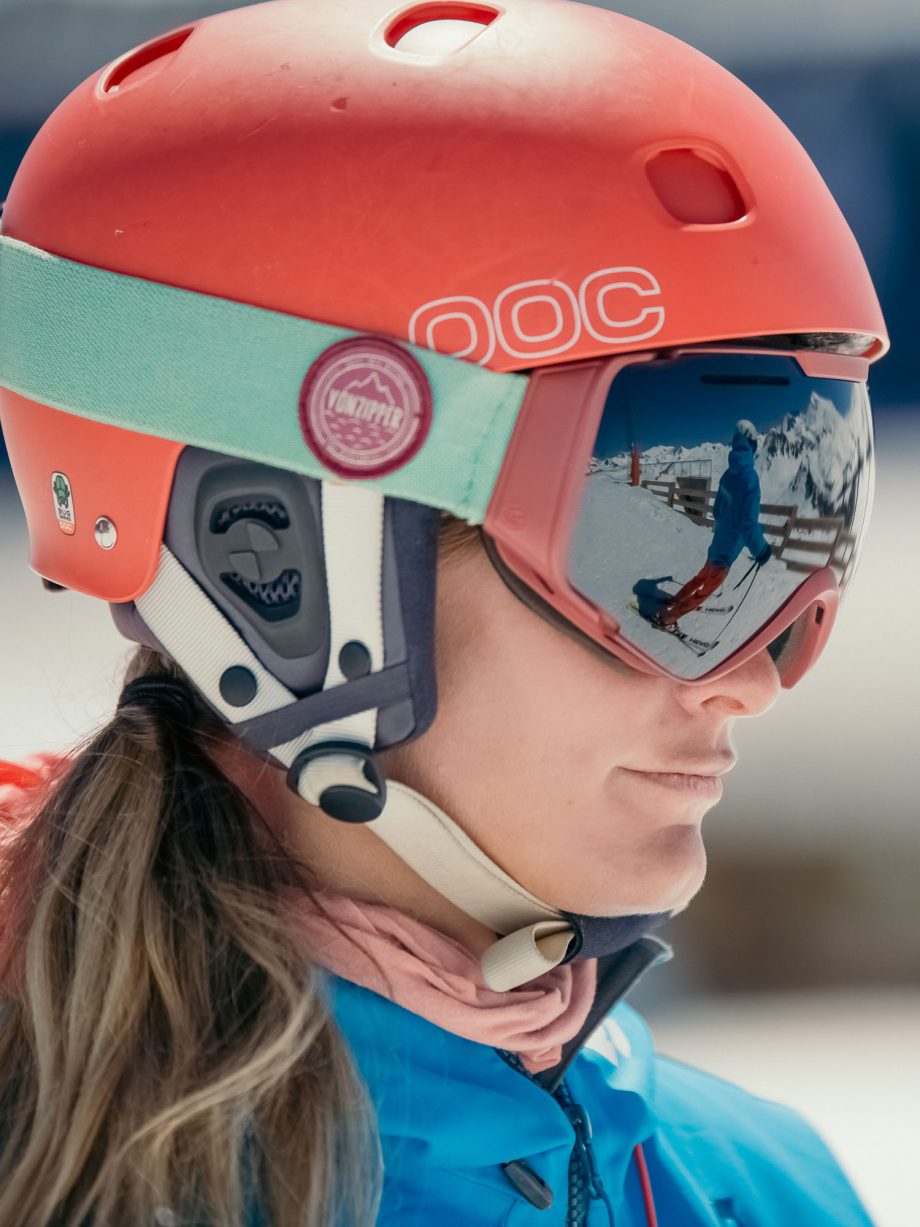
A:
[536,937]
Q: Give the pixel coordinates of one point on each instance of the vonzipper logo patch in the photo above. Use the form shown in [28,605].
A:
[365,407]
[63,503]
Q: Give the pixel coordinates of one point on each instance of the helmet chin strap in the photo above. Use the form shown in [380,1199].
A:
[331,763]
[537,936]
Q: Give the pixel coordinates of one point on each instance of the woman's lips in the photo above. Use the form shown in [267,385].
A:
[701,785]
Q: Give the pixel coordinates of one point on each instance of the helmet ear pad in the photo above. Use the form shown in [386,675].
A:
[251,536]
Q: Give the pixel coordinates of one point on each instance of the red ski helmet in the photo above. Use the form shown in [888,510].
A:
[563,182]
[446,190]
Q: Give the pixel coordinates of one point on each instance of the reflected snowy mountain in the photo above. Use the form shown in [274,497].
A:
[813,461]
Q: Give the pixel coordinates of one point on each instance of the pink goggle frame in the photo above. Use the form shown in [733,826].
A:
[539,492]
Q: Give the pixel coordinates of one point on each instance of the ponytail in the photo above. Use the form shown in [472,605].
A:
[166,1052]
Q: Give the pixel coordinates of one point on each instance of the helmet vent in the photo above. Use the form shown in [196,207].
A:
[143,61]
[273,600]
[696,188]
[269,511]
[439,29]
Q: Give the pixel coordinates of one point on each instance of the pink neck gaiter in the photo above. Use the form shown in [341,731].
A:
[433,975]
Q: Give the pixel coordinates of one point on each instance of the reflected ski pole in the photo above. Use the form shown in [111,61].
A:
[744,577]
[755,568]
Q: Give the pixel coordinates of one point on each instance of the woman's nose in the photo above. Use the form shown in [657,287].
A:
[749,690]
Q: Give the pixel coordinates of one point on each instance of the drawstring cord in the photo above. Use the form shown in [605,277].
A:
[646,1183]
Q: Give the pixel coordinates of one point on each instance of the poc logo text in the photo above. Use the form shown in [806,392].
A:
[612,305]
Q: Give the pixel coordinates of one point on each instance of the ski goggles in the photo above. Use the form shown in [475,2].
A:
[615,497]
[686,509]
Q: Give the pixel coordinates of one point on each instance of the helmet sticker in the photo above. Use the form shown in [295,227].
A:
[365,407]
[63,503]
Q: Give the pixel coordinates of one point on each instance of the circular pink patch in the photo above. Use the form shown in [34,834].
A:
[365,407]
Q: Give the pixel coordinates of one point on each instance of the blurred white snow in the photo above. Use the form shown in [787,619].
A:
[848,1061]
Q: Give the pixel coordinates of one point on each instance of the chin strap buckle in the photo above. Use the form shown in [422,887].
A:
[527,953]
[342,778]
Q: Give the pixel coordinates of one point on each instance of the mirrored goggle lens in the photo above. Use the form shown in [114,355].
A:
[719,483]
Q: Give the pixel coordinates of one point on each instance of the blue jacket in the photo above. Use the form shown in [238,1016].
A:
[451,1111]
[736,510]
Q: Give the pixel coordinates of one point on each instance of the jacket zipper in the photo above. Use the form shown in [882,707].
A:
[584,1182]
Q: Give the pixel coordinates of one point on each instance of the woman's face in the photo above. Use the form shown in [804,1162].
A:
[541,751]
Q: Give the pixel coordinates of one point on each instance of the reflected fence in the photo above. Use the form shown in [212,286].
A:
[802,543]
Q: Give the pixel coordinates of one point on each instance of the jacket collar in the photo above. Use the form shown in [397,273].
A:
[460,1104]
[616,975]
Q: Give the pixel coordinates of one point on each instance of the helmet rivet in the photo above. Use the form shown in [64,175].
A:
[238,686]
[354,660]
[106,533]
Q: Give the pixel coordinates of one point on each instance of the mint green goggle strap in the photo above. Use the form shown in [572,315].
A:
[225,375]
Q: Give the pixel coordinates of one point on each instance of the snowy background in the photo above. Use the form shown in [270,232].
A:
[797,968]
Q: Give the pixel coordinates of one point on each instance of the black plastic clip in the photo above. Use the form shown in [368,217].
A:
[346,802]
[528,1183]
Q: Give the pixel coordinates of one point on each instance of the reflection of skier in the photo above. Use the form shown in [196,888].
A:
[736,515]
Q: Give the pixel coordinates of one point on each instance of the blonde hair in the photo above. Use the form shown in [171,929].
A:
[166,1053]
[164,1049]
[457,538]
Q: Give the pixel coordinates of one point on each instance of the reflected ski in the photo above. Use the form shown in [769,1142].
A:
[699,647]
[663,599]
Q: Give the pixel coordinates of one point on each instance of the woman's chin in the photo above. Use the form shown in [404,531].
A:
[665,880]
[682,869]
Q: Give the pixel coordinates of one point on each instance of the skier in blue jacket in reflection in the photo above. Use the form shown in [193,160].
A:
[736,516]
